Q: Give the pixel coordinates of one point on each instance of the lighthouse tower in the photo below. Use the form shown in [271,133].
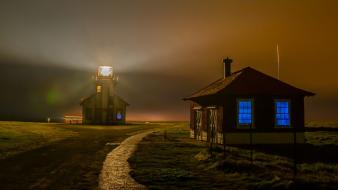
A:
[105,86]
[104,107]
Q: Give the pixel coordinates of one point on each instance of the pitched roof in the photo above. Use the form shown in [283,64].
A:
[249,81]
[113,96]
[120,99]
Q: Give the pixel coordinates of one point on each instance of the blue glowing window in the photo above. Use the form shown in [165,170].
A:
[282,113]
[119,116]
[244,112]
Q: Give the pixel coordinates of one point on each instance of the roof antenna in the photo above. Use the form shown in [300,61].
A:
[277,62]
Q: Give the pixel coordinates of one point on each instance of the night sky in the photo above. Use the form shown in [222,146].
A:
[162,51]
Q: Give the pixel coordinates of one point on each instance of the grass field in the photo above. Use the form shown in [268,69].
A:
[17,137]
[57,156]
[322,124]
[177,162]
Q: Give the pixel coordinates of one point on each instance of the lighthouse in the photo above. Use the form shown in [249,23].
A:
[104,106]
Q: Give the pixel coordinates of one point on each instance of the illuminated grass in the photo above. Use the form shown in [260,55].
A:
[317,124]
[322,138]
[17,137]
[57,156]
[182,163]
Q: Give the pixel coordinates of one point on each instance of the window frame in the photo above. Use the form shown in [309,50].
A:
[98,89]
[198,124]
[198,111]
[275,113]
[121,114]
[243,126]
[213,128]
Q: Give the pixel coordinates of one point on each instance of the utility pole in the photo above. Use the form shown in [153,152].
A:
[294,153]
[278,62]
[251,145]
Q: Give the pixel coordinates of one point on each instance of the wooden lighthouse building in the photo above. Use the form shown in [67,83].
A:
[248,106]
[104,106]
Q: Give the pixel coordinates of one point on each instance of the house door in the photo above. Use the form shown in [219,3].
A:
[198,124]
[212,123]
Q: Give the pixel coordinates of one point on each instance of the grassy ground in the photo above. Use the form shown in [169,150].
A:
[321,124]
[17,137]
[177,162]
[320,138]
[56,156]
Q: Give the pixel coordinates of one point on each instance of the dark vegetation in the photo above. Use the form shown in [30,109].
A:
[177,162]
[56,156]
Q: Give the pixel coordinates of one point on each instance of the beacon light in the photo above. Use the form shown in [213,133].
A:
[105,71]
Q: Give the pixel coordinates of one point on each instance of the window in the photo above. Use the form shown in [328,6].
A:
[212,118]
[282,113]
[212,124]
[198,123]
[98,89]
[119,115]
[245,112]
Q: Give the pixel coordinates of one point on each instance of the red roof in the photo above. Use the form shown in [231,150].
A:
[249,81]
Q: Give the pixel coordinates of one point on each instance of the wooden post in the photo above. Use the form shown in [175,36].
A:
[294,153]
[193,120]
[210,128]
[224,142]
[251,146]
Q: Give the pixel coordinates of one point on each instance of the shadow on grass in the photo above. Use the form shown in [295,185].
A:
[177,162]
[306,153]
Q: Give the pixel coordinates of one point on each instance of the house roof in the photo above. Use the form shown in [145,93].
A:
[113,96]
[249,81]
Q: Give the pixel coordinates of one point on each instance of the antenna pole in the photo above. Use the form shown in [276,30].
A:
[277,62]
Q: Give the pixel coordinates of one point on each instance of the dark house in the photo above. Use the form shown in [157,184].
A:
[104,106]
[248,106]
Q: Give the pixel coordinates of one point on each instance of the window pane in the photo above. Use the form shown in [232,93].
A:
[244,112]
[282,113]
[119,115]
[98,89]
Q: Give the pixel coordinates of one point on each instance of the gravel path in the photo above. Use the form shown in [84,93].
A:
[115,171]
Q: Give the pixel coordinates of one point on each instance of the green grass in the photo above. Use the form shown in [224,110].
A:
[319,138]
[16,137]
[322,124]
[40,155]
[58,156]
[182,163]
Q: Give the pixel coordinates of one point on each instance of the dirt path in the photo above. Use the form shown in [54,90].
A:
[115,171]
[72,163]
